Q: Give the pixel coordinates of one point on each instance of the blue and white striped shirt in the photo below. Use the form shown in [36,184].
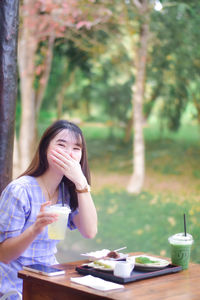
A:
[19,206]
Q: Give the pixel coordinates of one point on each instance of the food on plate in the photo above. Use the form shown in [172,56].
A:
[106,254]
[101,264]
[113,254]
[144,260]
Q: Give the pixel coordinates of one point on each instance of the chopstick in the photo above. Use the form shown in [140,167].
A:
[119,249]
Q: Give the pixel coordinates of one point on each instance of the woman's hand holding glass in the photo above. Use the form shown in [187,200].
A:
[44,218]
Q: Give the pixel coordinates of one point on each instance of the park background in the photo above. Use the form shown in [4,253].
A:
[85,61]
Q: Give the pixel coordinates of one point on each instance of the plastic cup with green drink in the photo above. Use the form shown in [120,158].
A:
[181,244]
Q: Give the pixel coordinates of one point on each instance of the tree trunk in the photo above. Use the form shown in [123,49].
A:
[8,86]
[26,61]
[27,50]
[46,73]
[61,95]
[137,179]
[30,98]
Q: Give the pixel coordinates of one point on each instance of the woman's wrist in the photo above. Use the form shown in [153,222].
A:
[80,185]
[34,230]
[86,189]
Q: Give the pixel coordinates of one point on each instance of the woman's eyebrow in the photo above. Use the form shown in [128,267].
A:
[61,140]
[66,142]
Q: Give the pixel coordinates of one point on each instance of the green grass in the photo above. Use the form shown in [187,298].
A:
[142,222]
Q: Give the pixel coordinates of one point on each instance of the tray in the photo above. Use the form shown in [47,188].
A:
[135,275]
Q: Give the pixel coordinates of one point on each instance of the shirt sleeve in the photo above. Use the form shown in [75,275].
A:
[13,211]
[71,224]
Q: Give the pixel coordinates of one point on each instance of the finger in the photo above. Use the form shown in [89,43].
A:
[59,163]
[63,154]
[42,207]
[60,154]
[48,214]
[46,218]
[49,220]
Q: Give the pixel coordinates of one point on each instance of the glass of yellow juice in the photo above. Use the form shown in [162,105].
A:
[56,230]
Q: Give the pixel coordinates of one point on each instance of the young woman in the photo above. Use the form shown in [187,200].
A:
[60,160]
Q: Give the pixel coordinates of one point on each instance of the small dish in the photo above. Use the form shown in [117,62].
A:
[100,254]
[102,264]
[156,263]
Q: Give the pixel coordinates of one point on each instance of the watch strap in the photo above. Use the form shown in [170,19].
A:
[86,189]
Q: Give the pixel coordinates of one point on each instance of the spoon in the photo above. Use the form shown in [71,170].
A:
[119,249]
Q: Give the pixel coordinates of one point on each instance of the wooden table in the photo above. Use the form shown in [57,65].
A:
[183,285]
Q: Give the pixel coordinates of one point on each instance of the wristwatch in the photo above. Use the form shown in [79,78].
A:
[86,189]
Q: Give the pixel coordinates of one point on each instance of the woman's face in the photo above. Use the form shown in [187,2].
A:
[66,142]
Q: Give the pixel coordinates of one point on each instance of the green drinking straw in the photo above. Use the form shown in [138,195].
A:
[185,225]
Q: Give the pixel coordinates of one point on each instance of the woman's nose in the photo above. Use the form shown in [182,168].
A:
[68,151]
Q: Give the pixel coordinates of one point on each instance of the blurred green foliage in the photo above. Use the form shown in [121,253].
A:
[94,80]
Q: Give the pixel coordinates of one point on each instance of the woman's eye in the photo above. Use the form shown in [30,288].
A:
[62,145]
[77,149]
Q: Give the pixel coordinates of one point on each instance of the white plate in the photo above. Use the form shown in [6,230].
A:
[159,263]
[110,265]
[95,255]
